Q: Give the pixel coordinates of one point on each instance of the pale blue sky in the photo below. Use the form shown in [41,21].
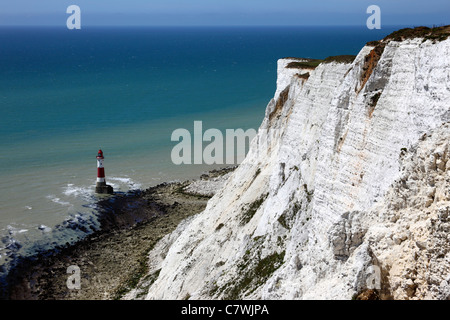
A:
[224,12]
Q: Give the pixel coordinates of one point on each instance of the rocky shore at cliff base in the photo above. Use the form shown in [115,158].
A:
[112,259]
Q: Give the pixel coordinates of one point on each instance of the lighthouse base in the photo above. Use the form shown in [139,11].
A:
[103,188]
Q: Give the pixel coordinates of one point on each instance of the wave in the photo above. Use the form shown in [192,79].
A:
[57,200]
[76,191]
[129,183]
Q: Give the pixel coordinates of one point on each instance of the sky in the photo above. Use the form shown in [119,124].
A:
[224,12]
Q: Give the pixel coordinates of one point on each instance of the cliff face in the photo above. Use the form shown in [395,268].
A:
[345,188]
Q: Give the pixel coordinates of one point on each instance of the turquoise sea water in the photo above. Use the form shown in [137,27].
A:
[66,93]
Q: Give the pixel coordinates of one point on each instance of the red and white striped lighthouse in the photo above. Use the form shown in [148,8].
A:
[101,186]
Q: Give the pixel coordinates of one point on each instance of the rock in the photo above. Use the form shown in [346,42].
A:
[207,185]
[421,245]
[358,142]
[44,228]
[410,287]
[369,294]
[444,290]
[398,239]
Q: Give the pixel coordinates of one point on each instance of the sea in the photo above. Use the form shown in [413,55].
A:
[65,94]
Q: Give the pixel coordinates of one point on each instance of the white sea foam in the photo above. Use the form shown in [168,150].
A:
[75,191]
[13,230]
[57,200]
[124,180]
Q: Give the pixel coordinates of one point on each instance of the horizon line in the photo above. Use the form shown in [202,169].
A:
[215,26]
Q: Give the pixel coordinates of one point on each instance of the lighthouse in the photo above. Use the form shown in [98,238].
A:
[101,186]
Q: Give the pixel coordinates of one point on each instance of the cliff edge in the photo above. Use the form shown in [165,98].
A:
[345,189]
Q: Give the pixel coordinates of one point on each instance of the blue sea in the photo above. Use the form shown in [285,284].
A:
[64,94]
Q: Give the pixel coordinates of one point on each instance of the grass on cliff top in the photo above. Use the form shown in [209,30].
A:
[313,63]
[434,34]
[340,59]
[310,64]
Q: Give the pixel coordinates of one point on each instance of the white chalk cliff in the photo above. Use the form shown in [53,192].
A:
[346,187]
